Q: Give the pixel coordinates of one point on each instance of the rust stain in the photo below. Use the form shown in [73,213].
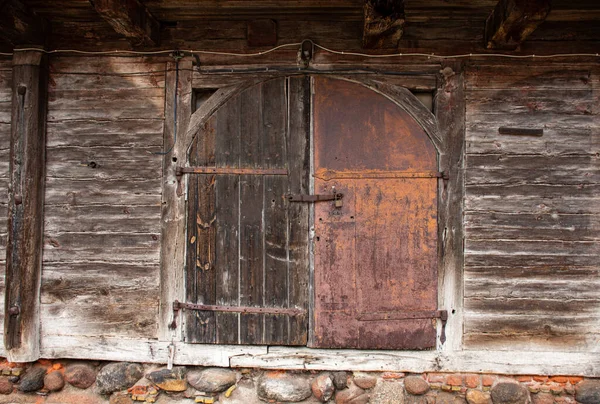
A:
[378,252]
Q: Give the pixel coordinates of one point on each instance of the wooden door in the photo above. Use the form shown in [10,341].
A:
[375,258]
[247,260]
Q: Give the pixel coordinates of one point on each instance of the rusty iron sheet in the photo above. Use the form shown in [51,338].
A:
[378,252]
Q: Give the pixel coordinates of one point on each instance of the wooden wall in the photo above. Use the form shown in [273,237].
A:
[532,207]
[103,196]
[5,113]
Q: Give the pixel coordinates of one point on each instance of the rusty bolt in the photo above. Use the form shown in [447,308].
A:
[18,199]
[21,89]
[14,310]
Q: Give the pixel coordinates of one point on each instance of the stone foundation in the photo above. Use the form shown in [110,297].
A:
[86,382]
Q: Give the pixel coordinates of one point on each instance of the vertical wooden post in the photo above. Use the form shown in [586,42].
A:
[178,111]
[450,113]
[25,207]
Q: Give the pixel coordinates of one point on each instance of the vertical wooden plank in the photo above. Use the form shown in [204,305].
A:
[172,252]
[227,191]
[251,217]
[202,272]
[274,125]
[450,112]
[298,158]
[25,207]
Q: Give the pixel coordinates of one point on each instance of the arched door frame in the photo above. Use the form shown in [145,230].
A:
[445,128]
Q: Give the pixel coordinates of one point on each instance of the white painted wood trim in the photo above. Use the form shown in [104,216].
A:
[299,358]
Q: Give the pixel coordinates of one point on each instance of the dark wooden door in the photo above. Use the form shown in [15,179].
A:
[375,258]
[247,246]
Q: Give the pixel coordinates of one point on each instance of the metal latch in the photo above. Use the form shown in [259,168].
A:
[337,197]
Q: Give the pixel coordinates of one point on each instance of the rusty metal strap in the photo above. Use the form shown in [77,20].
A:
[231,170]
[239,309]
[327,175]
[314,198]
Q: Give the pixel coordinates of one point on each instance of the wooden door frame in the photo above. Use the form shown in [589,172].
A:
[445,127]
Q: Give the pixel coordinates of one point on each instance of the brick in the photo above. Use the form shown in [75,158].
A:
[559,379]
[523,379]
[436,378]
[446,387]
[454,380]
[392,375]
[540,378]
[575,379]
[472,381]
[487,380]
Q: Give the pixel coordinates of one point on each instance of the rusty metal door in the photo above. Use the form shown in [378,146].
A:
[375,256]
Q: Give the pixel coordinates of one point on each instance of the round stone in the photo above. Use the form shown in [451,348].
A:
[478,397]
[322,387]
[169,379]
[365,381]
[340,380]
[6,387]
[588,392]
[120,398]
[54,381]
[388,392]
[80,376]
[416,385]
[280,386]
[33,380]
[212,380]
[447,398]
[118,376]
[353,394]
[509,393]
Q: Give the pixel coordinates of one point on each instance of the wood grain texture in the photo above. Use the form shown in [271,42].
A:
[530,209]
[131,19]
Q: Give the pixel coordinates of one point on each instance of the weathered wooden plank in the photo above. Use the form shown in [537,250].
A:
[108,247]
[531,76]
[533,198]
[103,64]
[564,261]
[25,207]
[61,191]
[383,24]
[524,226]
[536,103]
[178,108]
[104,104]
[228,247]
[138,76]
[511,342]
[139,163]
[545,306]
[106,133]
[298,146]
[131,19]
[251,230]
[512,21]
[276,277]
[533,324]
[531,247]
[100,299]
[100,218]
[532,169]
[533,270]
[545,288]
[201,324]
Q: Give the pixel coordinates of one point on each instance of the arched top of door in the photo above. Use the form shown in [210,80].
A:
[400,96]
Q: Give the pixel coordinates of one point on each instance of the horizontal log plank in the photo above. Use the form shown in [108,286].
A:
[533,324]
[538,104]
[101,218]
[532,270]
[509,342]
[523,226]
[139,163]
[140,79]
[532,76]
[98,104]
[107,133]
[566,261]
[61,191]
[557,288]
[541,306]
[99,300]
[531,247]
[108,247]
[113,64]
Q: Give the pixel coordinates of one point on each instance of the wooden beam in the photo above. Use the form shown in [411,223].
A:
[18,25]
[512,21]
[131,19]
[25,207]
[383,24]
[178,109]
